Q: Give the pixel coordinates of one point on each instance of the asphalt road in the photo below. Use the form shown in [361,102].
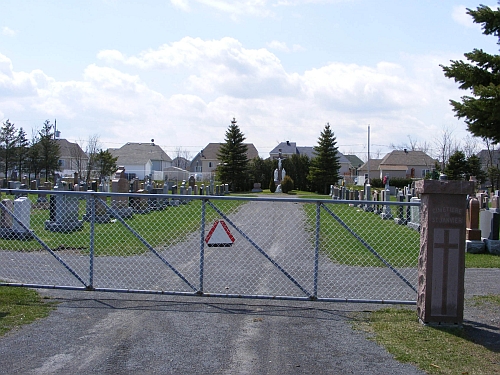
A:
[103,333]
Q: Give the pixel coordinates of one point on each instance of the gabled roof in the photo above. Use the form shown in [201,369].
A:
[287,148]
[70,150]
[212,149]
[139,153]
[407,158]
[354,160]
[308,151]
[484,155]
[291,148]
[373,163]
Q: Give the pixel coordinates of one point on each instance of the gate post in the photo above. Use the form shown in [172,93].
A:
[441,262]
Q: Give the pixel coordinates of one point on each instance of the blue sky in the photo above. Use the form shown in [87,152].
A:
[178,71]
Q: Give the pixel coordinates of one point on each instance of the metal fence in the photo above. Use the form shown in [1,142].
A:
[254,247]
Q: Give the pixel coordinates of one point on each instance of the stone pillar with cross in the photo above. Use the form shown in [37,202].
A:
[441,262]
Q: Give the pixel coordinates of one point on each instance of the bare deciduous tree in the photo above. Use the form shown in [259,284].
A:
[92,150]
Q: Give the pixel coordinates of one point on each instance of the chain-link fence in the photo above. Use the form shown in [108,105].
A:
[207,245]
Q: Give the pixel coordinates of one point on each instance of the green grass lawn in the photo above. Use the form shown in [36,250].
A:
[435,350]
[20,306]
[158,228]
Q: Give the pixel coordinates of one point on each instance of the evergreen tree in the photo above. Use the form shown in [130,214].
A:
[481,75]
[22,146]
[325,166]
[105,163]
[234,161]
[297,167]
[456,167]
[8,140]
[49,150]
[473,168]
[33,159]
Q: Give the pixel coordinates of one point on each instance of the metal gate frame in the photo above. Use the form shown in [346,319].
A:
[310,296]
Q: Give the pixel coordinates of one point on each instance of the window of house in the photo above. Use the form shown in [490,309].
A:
[209,164]
[61,163]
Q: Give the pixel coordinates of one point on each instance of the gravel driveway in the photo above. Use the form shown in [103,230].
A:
[115,333]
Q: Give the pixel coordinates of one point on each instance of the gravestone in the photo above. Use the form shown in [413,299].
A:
[473,244]
[102,215]
[192,181]
[119,203]
[401,219]
[141,205]
[10,228]
[257,188]
[63,215]
[414,222]
[441,263]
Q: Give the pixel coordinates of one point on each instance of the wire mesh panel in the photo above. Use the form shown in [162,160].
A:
[207,245]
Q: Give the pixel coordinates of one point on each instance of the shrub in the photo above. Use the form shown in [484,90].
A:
[287,184]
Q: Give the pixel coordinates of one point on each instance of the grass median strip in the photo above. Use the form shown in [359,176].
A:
[436,350]
[20,306]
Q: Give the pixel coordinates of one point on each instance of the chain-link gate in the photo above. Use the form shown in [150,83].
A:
[281,248]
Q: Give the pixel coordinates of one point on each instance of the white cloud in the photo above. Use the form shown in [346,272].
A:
[8,31]
[461,17]
[220,79]
[283,47]
[181,4]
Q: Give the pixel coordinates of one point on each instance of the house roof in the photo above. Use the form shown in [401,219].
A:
[212,149]
[354,160]
[291,148]
[373,163]
[484,155]
[70,150]
[407,158]
[287,148]
[139,153]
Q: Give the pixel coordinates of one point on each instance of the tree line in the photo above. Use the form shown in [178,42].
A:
[39,157]
[302,173]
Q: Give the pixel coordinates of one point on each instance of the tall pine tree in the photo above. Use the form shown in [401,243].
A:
[49,150]
[481,75]
[325,166]
[233,157]
[8,140]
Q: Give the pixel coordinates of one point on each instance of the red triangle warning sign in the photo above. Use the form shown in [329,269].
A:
[219,235]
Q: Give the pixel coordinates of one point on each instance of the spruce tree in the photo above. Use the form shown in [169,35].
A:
[325,166]
[481,75]
[456,167]
[49,150]
[233,157]
[8,140]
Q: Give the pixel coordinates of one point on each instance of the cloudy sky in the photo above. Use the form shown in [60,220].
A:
[178,71]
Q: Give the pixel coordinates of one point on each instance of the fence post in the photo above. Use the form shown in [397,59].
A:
[441,263]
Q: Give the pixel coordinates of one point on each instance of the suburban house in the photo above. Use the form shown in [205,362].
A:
[489,158]
[72,158]
[368,169]
[355,164]
[398,164]
[206,161]
[287,149]
[142,159]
